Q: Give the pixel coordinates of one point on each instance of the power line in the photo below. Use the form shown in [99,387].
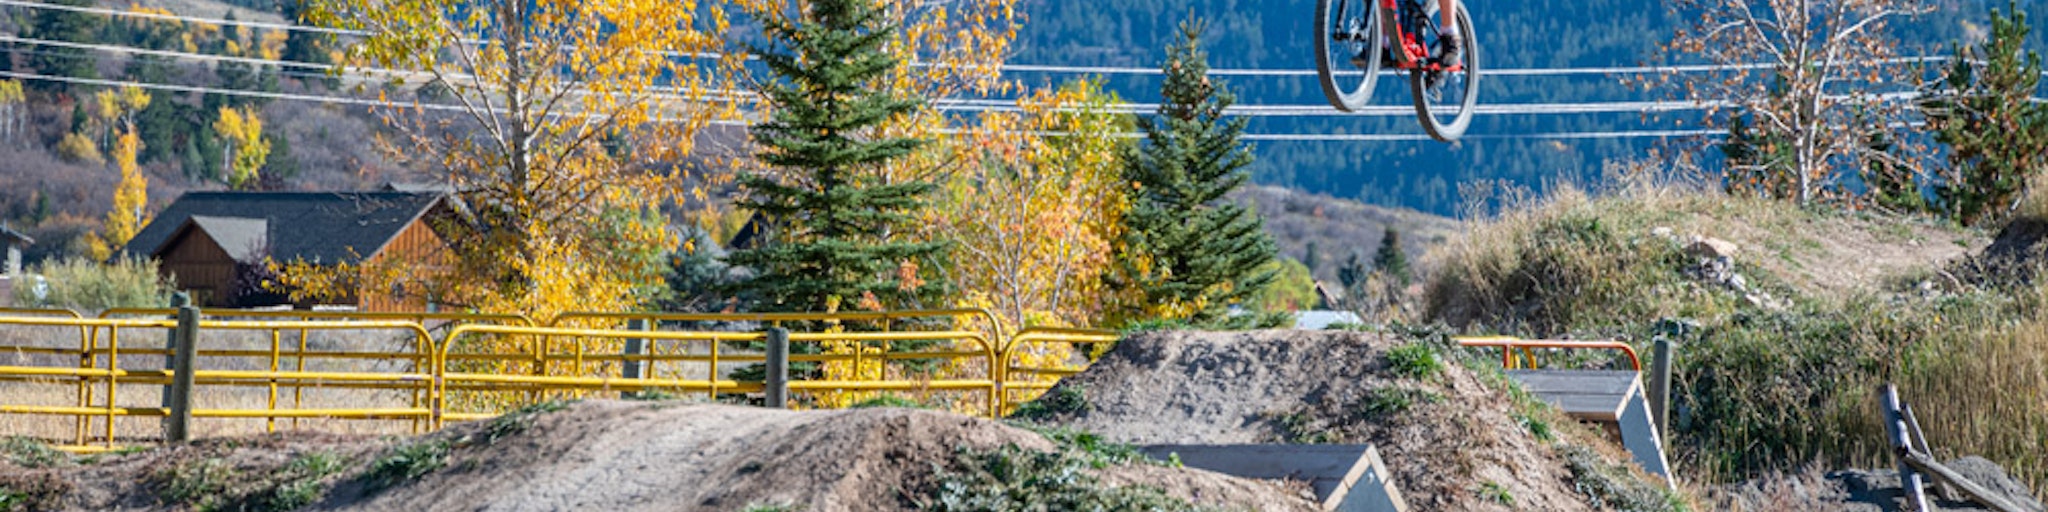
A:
[970,105]
[1034,68]
[729,122]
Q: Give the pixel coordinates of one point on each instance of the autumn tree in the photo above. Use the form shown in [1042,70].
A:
[836,234]
[131,196]
[246,150]
[557,221]
[1815,102]
[1996,131]
[1033,214]
[13,101]
[1186,252]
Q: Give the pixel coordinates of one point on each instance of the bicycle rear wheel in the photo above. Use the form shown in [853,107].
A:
[1345,30]
[1446,115]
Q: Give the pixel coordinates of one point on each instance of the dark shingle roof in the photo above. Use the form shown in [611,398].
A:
[10,236]
[323,227]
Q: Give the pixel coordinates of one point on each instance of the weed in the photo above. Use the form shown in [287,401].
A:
[1383,403]
[1060,401]
[1537,427]
[1496,493]
[1300,428]
[1093,449]
[651,395]
[1610,486]
[515,422]
[200,483]
[1013,478]
[33,490]
[31,453]
[406,463]
[756,507]
[1415,361]
[890,401]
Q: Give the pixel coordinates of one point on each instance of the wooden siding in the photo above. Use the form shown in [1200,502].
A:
[417,244]
[198,265]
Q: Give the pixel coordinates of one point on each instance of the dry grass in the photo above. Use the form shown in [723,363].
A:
[1766,387]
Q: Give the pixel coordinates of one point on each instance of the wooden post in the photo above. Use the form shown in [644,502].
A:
[1660,388]
[178,301]
[1899,436]
[631,368]
[778,368]
[177,426]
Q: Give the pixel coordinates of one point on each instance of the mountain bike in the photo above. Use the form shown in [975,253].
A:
[1352,46]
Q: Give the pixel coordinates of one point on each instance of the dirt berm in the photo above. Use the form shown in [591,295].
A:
[1454,438]
[611,455]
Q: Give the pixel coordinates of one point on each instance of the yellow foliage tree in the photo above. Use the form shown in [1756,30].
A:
[131,196]
[246,147]
[11,99]
[559,128]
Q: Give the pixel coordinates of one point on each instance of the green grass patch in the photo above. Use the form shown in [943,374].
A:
[519,420]
[1417,361]
[199,483]
[1384,403]
[31,453]
[890,401]
[1060,401]
[406,463]
[1015,479]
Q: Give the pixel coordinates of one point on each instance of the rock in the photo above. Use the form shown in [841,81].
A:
[1710,247]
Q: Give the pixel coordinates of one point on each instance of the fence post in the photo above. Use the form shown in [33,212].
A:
[176,427]
[778,368]
[178,300]
[1660,387]
[631,368]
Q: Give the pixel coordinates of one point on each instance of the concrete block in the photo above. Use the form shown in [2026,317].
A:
[1345,477]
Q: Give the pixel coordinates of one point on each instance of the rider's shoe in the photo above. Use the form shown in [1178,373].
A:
[1434,91]
[1450,51]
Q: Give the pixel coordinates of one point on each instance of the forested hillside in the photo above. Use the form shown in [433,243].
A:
[1514,34]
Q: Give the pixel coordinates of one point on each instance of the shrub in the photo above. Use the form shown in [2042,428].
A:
[82,285]
[1415,361]
[78,149]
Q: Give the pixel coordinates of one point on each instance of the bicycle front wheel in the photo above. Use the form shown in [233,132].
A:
[1348,49]
[1447,111]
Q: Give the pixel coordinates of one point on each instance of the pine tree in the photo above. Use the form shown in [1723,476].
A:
[1391,261]
[1996,133]
[1186,251]
[834,240]
[70,27]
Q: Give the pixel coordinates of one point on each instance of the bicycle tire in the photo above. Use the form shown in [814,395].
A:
[1334,68]
[1467,81]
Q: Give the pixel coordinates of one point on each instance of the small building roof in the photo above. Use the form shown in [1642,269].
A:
[245,239]
[8,236]
[323,227]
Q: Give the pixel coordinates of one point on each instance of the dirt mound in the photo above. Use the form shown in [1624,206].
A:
[1452,439]
[2014,257]
[609,455]
[627,456]
[1864,490]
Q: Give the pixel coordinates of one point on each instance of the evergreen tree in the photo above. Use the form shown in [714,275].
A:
[834,240]
[1186,251]
[1391,261]
[71,27]
[1997,134]
[306,46]
[1312,258]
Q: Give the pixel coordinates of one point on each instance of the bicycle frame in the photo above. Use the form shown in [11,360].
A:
[1412,55]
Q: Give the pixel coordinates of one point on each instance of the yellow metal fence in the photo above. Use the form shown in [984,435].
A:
[108,375]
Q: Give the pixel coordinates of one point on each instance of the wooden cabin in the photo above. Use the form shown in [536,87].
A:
[215,245]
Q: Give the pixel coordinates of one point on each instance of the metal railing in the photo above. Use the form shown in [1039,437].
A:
[1023,382]
[113,360]
[1517,353]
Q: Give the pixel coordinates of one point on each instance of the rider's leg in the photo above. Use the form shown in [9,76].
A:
[1452,50]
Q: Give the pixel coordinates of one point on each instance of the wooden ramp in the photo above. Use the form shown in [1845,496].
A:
[1611,398]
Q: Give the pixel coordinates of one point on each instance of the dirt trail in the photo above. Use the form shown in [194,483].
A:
[1456,444]
[610,455]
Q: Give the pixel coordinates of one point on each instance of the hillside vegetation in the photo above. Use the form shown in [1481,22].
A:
[1783,338]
